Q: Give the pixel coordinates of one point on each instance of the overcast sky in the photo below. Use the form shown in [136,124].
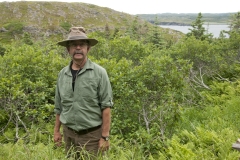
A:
[163,6]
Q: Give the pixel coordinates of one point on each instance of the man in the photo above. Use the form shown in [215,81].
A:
[83,98]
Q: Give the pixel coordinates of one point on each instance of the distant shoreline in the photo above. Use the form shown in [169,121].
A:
[173,24]
[185,24]
[215,29]
[186,19]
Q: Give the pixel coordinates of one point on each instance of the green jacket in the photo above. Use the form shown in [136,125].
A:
[82,108]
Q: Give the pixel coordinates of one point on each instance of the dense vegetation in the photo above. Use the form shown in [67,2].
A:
[173,99]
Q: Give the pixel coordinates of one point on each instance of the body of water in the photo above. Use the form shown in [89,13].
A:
[214,29]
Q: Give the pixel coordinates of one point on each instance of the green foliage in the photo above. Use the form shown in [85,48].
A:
[27,89]
[102,49]
[162,81]
[209,132]
[222,92]
[41,133]
[14,30]
[135,29]
[2,50]
[107,31]
[3,117]
[158,112]
[226,51]
[120,47]
[158,87]
[198,31]
[219,109]
[22,151]
[225,98]
[216,60]
[235,23]
[155,36]
[66,25]
[202,144]
[194,50]
[121,77]
[120,149]
[14,27]
[131,49]
[27,38]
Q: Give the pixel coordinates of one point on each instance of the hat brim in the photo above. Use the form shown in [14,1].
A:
[92,42]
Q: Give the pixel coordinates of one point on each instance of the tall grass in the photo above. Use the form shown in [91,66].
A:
[20,151]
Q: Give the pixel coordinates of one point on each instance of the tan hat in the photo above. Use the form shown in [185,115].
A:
[77,33]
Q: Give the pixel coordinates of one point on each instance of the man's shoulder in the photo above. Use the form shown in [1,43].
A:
[97,67]
[63,70]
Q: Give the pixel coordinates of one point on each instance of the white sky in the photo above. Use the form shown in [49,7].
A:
[162,6]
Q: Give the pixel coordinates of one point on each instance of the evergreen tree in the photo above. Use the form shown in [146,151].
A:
[133,29]
[198,31]
[2,50]
[27,38]
[115,32]
[155,35]
[235,22]
[107,31]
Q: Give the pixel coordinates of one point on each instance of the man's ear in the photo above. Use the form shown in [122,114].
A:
[67,48]
[88,48]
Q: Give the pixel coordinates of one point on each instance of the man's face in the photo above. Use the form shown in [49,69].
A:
[78,49]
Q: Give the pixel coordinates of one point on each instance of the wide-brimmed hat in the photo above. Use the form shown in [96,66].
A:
[77,33]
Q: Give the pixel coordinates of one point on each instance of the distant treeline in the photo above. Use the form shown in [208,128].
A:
[186,18]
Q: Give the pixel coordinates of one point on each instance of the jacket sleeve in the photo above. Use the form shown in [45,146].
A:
[57,107]
[105,91]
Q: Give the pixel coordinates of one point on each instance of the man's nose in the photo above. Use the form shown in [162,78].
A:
[78,46]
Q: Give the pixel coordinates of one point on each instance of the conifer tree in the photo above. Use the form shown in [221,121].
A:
[235,22]
[115,32]
[155,35]
[133,29]
[107,31]
[27,38]
[198,31]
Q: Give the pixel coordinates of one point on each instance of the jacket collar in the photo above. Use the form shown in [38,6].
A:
[88,66]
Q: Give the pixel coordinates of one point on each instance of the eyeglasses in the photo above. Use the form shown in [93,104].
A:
[81,44]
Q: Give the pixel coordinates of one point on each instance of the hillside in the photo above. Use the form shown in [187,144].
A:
[51,18]
[44,14]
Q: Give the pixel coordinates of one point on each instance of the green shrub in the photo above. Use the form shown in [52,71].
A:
[28,78]
[66,25]
[202,144]
[2,50]
[14,27]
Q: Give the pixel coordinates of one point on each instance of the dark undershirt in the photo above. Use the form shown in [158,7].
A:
[74,75]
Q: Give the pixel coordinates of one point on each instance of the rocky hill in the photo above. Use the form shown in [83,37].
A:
[50,18]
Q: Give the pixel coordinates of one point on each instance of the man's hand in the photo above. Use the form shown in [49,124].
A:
[103,145]
[57,137]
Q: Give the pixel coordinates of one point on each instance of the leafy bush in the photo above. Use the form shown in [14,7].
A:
[66,25]
[2,50]
[14,27]
[28,77]
[202,144]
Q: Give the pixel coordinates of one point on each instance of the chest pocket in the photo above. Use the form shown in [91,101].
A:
[66,92]
[87,87]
